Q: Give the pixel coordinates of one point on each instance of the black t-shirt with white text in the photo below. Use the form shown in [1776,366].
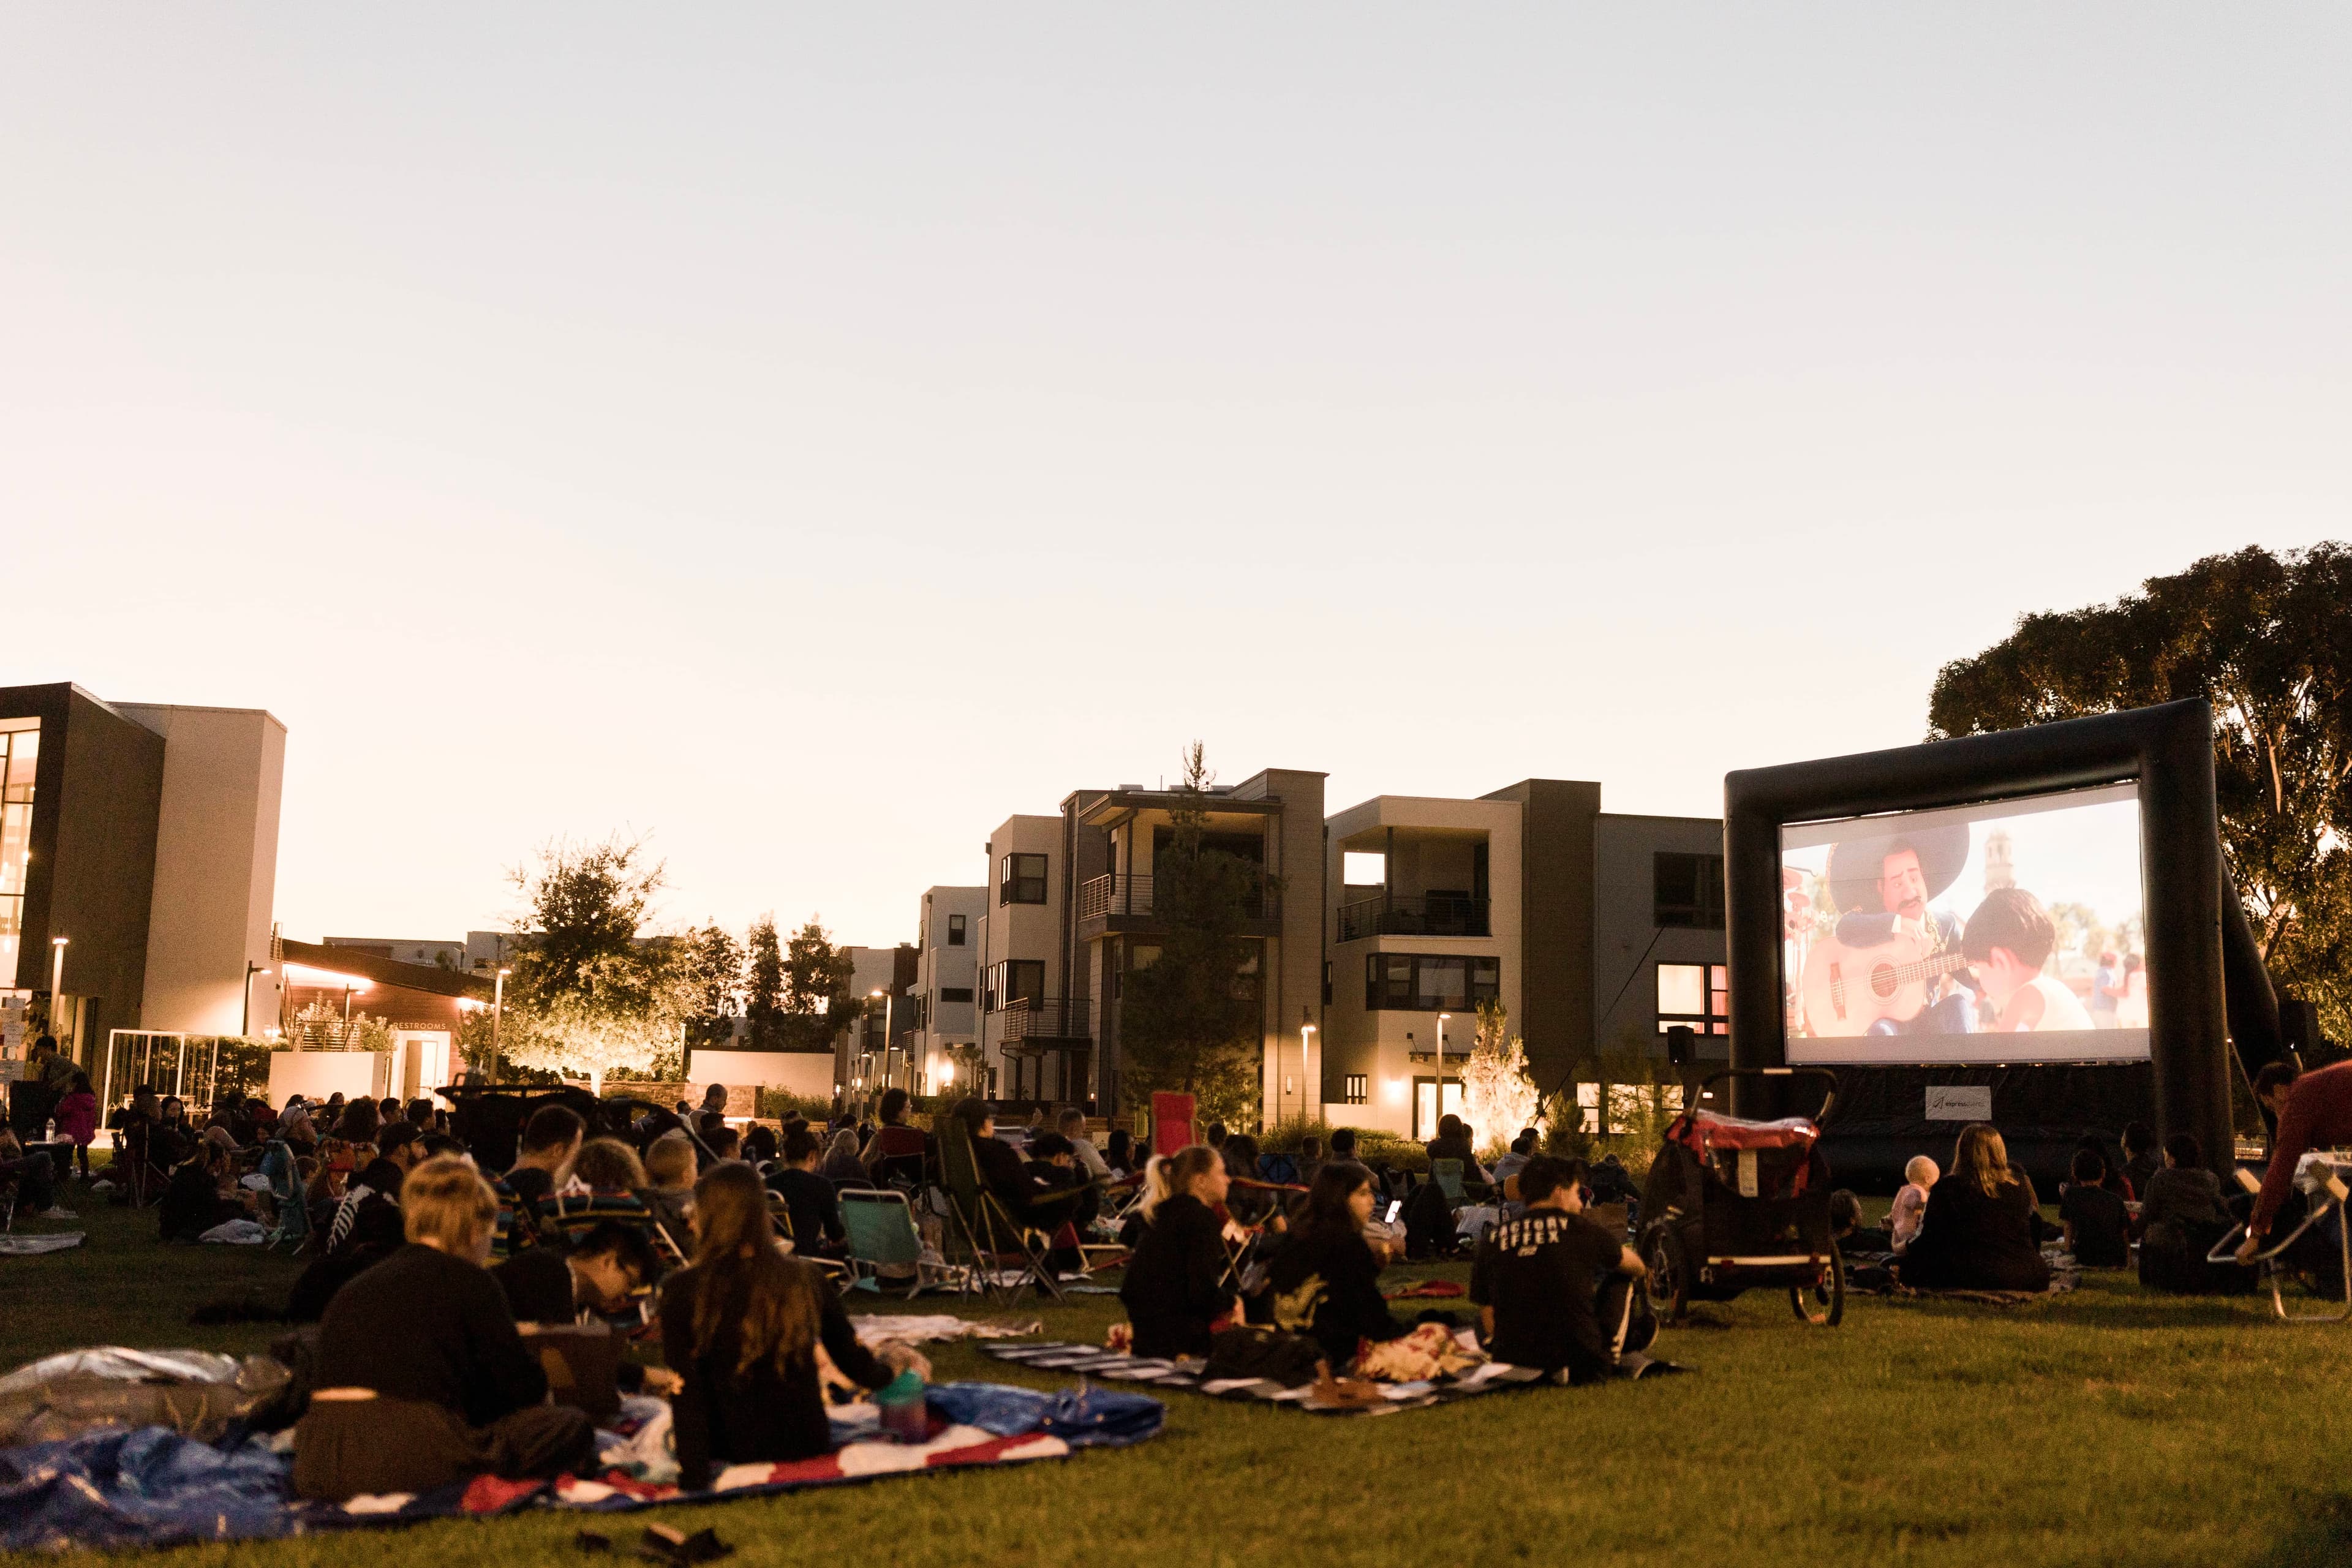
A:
[1541,1274]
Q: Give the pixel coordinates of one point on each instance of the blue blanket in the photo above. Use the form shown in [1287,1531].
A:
[149,1486]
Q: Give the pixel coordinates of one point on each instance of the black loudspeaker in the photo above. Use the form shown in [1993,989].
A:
[2298,1025]
[1682,1043]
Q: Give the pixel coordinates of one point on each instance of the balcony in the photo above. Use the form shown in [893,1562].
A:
[1414,914]
[1044,1023]
[1124,903]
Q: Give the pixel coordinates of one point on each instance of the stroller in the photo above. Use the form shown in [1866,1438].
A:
[1732,1206]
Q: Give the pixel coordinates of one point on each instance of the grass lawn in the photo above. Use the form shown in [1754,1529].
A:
[2103,1427]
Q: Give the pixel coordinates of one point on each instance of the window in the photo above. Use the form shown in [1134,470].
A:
[1356,1090]
[1013,979]
[956,932]
[1430,982]
[1021,879]
[955,994]
[1698,994]
[1361,868]
[1686,890]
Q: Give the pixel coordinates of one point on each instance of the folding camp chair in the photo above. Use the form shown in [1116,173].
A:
[883,1234]
[996,1240]
[2320,1177]
[898,1157]
[781,1213]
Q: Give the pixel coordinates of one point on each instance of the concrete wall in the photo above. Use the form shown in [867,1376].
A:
[215,876]
[1627,944]
[801,1072]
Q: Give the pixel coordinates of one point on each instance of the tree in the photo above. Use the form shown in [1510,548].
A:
[710,979]
[817,1001]
[2267,640]
[1498,1098]
[764,985]
[1188,1021]
[587,994]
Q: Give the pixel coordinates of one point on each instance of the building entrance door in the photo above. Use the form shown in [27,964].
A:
[1430,1106]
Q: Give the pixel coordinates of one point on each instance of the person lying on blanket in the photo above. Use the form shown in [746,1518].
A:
[1325,1281]
[421,1378]
[1555,1290]
[1175,1291]
[745,1327]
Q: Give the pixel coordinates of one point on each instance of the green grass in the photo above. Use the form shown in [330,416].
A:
[2101,1427]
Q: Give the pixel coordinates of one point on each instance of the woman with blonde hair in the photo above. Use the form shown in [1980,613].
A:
[743,1327]
[1175,1288]
[422,1381]
[1977,1230]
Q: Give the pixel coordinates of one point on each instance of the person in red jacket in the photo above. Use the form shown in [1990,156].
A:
[2313,1111]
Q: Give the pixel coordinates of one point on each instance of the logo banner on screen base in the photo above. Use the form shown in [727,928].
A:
[1960,1102]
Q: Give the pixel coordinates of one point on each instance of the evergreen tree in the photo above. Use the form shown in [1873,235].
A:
[817,1001]
[1190,1021]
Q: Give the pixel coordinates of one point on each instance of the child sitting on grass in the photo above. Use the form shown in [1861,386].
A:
[1847,1230]
[2097,1225]
[1911,1202]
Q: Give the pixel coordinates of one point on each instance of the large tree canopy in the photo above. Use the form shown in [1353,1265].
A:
[2267,640]
[587,995]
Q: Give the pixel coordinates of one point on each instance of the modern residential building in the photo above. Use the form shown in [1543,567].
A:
[942,1046]
[871,1053]
[1595,931]
[1071,912]
[329,987]
[138,866]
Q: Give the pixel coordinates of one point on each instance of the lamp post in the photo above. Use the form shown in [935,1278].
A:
[57,989]
[1305,1050]
[1441,1064]
[244,1020]
[498,1012]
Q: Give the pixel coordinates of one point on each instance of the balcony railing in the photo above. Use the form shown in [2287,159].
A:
[1045,1018]
[1100,896]
[1414,914]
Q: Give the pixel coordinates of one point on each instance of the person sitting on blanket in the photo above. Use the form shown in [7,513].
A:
[36,1179]
[2142,1159]
[1325,1281]
[195,1200]
[1977,1233]
[810,1201]
[1847,1230]
[609,1264]
[370,1211]
[612,1174]
[2097,1225]
[669,1185]
[1554,1287]
[1175,1291]
[2184,1193]
[421,1380]
[1911,1201]
[742,1328]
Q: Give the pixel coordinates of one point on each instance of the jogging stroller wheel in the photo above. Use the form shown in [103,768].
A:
[1822,1303]
[1669,1283]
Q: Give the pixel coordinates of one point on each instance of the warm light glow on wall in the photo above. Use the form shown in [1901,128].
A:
[1395,1087]
[304,974]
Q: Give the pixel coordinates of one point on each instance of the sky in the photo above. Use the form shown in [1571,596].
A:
[808,436]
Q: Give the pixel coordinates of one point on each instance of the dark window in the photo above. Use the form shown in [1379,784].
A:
[1698,994]
[955,993]
[1327,983]
[1356,1090]
[1430,982]
[955,933]
[1686,890]
[1021,879]
[1013,979]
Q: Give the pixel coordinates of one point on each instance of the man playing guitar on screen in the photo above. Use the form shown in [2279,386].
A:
[1902,887]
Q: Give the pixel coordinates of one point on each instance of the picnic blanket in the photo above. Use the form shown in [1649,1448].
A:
[28,1246]
[875,1328]
[149,1486]
[1487,1377]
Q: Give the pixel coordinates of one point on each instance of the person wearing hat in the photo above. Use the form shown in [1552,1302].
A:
[1883,887]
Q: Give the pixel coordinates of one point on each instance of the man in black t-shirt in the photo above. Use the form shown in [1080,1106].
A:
[2097,1224]
[809,1199]
[1556,1288]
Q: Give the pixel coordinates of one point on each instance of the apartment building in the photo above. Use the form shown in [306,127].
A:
[1071,912]
[1597,932]
[943,1044]
[871,1053]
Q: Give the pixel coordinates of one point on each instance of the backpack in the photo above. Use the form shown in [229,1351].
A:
[1258,1351]
[1428,1223]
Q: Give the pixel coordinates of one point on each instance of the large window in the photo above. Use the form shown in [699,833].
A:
[955,930]
[1698,994]
[1688,890]
[955,994]
[20,750]
[1356,1091]
[1021,879]
[1013,979]
[1430,982]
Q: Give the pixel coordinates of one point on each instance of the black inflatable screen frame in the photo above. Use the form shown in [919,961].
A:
[2166,751]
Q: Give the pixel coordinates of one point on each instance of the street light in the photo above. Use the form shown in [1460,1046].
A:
[1306,1068]
[498,1012]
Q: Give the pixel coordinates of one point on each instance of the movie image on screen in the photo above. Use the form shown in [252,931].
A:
[2011,931]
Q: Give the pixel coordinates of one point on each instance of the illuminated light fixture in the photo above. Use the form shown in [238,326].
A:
[326,979]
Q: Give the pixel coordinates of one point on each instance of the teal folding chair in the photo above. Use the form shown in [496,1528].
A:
[882,1235]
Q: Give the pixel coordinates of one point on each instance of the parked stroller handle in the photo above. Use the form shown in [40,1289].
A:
[1829,1094]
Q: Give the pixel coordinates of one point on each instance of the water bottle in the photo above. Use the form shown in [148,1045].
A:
[904,1415]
